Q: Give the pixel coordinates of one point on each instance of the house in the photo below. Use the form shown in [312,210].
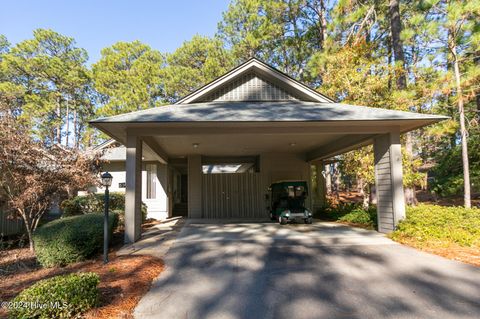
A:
[153,189]
[218,149]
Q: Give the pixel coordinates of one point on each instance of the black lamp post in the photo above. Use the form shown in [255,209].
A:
[106,182]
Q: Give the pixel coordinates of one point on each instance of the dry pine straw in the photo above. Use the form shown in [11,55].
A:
[468,255]
[123,281]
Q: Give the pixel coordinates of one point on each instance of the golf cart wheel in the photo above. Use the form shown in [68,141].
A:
[308,220]
[282,221]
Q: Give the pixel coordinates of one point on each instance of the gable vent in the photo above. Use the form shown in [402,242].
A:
[249,87]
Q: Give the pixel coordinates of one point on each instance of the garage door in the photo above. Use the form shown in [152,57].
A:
[232,196]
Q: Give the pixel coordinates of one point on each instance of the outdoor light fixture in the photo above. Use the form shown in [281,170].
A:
[195,145]
[107,179]
[106,182]
[293,144]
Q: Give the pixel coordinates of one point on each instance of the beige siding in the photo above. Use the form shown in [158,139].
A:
[275,167]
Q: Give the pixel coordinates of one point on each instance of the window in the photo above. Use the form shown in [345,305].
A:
[151,181]
[228,168]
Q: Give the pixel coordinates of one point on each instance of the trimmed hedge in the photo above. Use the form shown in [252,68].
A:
[71,239]
[65,296]
[94,203]
[443,225]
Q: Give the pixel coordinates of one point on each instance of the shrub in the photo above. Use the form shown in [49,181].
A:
[366,217]
[334,212]
[352,213]
[71,239]
[94,203]
[64,296]
[445,225]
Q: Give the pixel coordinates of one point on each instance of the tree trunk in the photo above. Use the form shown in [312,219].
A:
[396,29]
[397,46]
[75,136]
[328,178]
[410,196]
[67,124]
[59,129]
[28,228]
[323,24]
[463,129]
[477,94]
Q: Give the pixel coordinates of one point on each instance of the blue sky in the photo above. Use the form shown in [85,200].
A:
[162,24]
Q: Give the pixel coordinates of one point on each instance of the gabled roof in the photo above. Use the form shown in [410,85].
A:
[264,78]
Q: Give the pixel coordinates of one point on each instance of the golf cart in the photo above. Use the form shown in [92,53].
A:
[287,202]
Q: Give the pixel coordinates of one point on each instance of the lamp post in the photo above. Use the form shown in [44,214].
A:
[106,182]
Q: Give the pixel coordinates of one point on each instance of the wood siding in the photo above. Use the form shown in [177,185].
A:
[232,196]
[249,87]
[9,225]
[388,181]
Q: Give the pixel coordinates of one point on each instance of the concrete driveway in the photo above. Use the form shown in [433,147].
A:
[264,270]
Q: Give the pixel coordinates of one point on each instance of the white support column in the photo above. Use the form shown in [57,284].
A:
[388,181]
[194,186]
[133,192]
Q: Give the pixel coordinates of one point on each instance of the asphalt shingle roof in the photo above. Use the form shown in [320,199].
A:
[271,111]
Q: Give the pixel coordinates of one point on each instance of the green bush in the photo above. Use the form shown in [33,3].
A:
[94,203]
[334,212]
[367,217]
[71,239]
[426,223]
[65,296]
[352,213]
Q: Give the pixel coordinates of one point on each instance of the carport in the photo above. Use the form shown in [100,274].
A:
[260,126]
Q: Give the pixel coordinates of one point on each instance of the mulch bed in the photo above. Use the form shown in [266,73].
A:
[468,255]
[123,281]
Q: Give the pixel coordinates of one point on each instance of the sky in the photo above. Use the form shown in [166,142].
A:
[162,24]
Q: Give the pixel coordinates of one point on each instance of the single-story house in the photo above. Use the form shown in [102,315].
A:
[218,149]
[154,187]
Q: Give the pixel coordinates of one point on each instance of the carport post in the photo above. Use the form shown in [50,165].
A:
[194,186]
[133,192]
[388,181]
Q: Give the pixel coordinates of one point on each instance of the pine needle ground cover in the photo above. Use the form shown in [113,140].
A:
[123,281]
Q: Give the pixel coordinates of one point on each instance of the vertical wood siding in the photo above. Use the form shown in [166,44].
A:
[250,87]
[9,226]
[232,196]
[383,182]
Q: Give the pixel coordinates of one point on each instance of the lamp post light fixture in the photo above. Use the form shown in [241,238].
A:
[106,182]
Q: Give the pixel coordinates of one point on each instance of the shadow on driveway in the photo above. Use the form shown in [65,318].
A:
[324,270]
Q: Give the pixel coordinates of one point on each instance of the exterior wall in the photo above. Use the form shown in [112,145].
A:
[388,181]
[283,166]
[9,226]
[273,167]
[157,208]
